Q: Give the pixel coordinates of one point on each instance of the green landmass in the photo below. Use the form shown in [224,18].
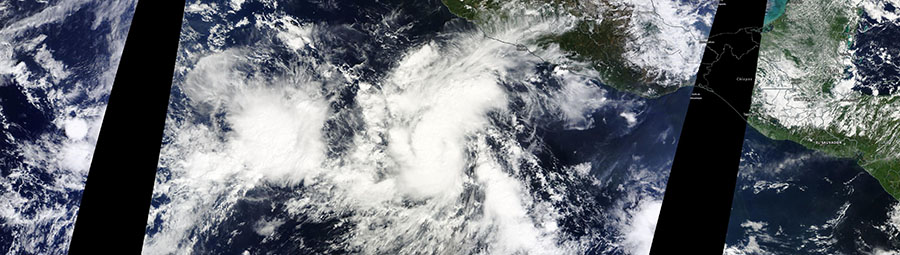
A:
[806,50]
[601,44]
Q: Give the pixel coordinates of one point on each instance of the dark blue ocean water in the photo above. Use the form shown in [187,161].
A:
[809,208]
[84,50]
[875,51]
[352,36]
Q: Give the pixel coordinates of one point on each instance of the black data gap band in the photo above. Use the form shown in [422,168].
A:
[116,198]
[697,202]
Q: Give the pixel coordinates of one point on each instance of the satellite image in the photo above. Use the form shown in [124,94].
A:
[58,60]
[454,126]
[821,167]
[403,127]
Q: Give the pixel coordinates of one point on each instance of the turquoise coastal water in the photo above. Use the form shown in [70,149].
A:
[774,9]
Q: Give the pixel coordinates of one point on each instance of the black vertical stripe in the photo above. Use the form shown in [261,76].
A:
[116,200]
[697,202]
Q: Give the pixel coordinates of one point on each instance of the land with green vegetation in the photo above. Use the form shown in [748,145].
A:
[598,37]
[803,94]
